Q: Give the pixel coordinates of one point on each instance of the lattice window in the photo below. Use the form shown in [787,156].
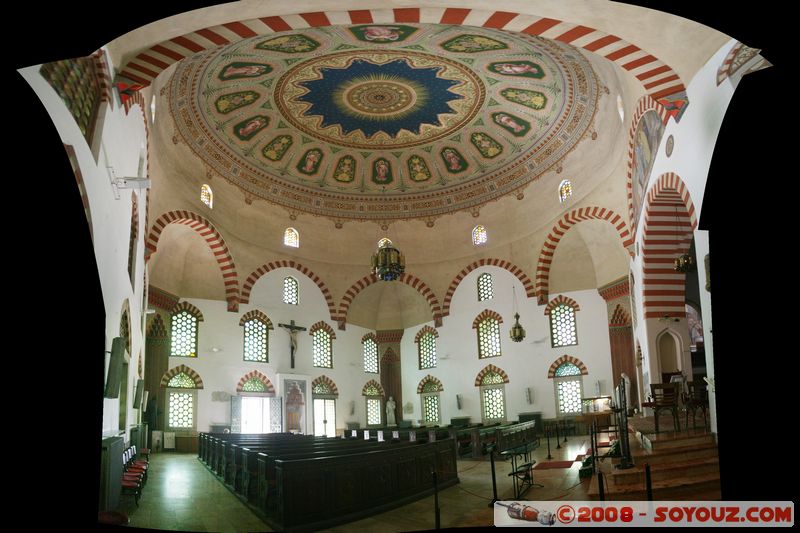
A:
[373,412]
[430,408]
[427,351]
[563,331]
[322,388]
[484,287]
[564,190]
[492,378]
[568,395]
[207,196]
[430,386]
[479,235]
[254,385]
[291,293]
[181,381]
[371,390]
[493,403]
[256,341]
[567,369]
[184,335]
[181,410]
[323,352]
[489,338]
[370,356]
[291,238]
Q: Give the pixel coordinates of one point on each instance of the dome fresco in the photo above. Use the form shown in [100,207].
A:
[383,122]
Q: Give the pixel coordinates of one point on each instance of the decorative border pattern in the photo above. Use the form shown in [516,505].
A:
[406,278]
[660,81]
[488,369]
[644,105]
[260,377]
[388,336]
[103,74]
[425,329]
[389,356]
[501,263]
[557,233]
[268,267]
[369,335]
[186,306]
[375,384]
[205,229]
[620,318]
[169,374]
[486,313]
[322,325]
[255,313]
[328,381]
[161,298]
[615,289]
[669,211]
[561,299]
[157,330]
[551,373]
[429,378]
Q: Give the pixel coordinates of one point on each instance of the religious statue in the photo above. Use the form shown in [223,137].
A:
[390,410]
[292,330]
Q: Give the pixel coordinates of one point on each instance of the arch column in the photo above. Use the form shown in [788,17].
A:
[620,333]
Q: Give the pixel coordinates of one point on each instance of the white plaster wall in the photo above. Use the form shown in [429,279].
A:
[123,139]
[526,363]
[695,137]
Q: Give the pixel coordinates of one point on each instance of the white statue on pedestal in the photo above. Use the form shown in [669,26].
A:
[390,412]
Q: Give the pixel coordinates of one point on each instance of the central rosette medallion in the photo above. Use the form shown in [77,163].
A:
[376,99]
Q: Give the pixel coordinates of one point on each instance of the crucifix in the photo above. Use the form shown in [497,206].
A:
[292,329]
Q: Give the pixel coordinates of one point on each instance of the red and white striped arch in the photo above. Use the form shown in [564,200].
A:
[542,286]
[205,229]
[413,281]
[669,222]
[644,105]
[251,280]
[270,388]
[501,263]
[660,80]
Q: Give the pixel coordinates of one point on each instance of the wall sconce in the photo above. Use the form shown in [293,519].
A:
[529,395]
[458,401]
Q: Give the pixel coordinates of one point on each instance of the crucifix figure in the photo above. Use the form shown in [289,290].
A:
[292,329]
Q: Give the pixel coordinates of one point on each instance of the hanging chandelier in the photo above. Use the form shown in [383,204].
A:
[517,332]
[684,263]
[388,262]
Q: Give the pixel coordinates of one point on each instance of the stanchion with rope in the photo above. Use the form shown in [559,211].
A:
[558,438]
[435,496]
[547,433]
[494,479]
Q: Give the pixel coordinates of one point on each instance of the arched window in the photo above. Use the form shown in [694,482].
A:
[370,354]
[184,331]
[426,344]
[564,190]
[322,345]
[153,108]
[384,242]
[291,293]
[568,389]
[485,287]
[181,381]
[488,337]
[181,398]
[563,330]
[373,394]
[493,394]
[291,238]
[207,196]
[256,336]
[254,385]
[429,389]
[479,235]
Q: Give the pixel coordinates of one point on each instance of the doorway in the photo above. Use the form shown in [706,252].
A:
[324,417]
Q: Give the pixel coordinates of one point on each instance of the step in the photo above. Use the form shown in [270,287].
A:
[664,471]
[669,455]
[685,485]
[661,441]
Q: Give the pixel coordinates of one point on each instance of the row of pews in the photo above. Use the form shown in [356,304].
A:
[300,482]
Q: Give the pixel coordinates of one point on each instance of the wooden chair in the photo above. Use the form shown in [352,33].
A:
[665,398]
[697,398]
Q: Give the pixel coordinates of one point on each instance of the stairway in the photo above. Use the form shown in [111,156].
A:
[683,466]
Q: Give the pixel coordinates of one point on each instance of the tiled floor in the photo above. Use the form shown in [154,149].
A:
[181,494]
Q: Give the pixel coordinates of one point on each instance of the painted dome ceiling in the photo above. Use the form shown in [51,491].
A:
[383,122]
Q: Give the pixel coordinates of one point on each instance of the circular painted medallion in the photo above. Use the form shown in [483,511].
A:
[380,121]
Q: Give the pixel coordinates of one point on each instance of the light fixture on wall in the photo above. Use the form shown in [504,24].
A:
[528,395]
[517,331]
[458,401]
[684,262]
[388,262]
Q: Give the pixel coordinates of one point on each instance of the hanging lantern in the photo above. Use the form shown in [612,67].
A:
[388,262]
[517,331]
[684,263]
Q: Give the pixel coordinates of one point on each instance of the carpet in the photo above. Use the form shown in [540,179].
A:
[553,464]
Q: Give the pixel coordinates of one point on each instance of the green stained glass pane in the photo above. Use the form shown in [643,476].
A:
[181,381]
[430,386]
[489,338]
[371,390]
[322,388]
[427,351]
[254,385]
[568,369]
[323,354]
[492,378]
[184,335]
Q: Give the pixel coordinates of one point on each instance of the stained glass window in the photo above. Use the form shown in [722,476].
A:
[256,341]
[484,287]
[564,190]
[181,410]
[371,390]
[370,356]
[181,381]
[427,351]
[207,196]
[562,326]
[77,83]
[479,235]
[323,354]
[430,408]
[493,403]
[568,392]
[321,388]
[492,378]
[567,369]
[184,335]
[384,242]
[373,412]
[291,294]
[291,238]
[254,385]
[489,338]
[430,386]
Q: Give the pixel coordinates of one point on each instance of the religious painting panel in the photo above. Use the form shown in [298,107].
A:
[645,146]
